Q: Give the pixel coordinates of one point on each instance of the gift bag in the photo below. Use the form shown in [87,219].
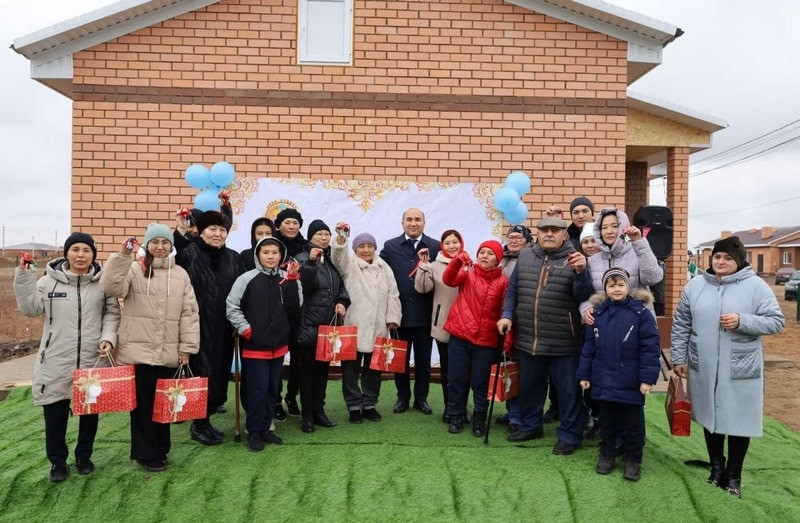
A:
[508,384]
[180,399]
[679,410]
[103,389]
[389,355]
[337,342]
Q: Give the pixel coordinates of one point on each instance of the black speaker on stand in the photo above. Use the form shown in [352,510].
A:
[656,225]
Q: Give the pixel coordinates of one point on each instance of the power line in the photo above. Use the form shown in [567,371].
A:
[748,158]
[742,145]
[744,208]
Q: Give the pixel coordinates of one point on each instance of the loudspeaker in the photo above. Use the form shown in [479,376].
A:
[656,225]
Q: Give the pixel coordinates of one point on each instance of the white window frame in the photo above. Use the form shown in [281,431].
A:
[787,258]
[335,52]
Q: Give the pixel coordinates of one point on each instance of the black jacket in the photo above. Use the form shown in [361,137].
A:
[323,288]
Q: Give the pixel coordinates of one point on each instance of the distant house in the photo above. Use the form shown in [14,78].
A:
[768,248]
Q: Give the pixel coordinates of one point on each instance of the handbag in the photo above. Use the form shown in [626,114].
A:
[337,342]
[508,384]
[678,407]
[103,389]
[389,354]
[180,399]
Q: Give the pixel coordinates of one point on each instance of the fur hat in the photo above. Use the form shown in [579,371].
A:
[80,237]
[364,238]
[315,226]
[587,231]
[733,246]
[156,230]
[288,213]
[495,246]
[520,229]
[617,272]
[210,218]
[581,200]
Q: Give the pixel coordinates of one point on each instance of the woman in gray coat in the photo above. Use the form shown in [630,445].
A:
[716,346]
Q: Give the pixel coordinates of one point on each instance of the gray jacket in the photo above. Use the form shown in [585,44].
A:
[726,368]
[78,316]
[429,279]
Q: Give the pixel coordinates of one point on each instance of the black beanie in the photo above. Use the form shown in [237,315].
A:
[80,237]
[732,245]
[210,218]
[316,226]
[288,213]
[581,200]
[194,216]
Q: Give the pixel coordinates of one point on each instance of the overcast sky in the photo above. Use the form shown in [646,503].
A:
[736,62]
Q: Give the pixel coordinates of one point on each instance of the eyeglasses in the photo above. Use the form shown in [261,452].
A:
[515,238]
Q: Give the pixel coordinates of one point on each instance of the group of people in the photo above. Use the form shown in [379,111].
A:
[570,303]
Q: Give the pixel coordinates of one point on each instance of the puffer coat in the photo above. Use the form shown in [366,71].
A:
[160,317]
[622,349]
[726,368]
[428,278]
[78,316]
[323,288]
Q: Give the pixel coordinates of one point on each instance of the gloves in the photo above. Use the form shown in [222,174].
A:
[247,333]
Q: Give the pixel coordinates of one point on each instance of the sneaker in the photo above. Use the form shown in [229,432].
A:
[279,414]
[84,466]
[59,472]
[153,465]
[291,407]
[372,415]
[254,442]
[604,465]
[271,437]
[633,471]
[563,449]
[355,416]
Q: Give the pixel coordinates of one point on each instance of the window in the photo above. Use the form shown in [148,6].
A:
[325,31]
[787,258]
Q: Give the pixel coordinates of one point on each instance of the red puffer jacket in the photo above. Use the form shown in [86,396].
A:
[477,308]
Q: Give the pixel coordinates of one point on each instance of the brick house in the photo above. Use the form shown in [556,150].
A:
[768,248]
[365,89]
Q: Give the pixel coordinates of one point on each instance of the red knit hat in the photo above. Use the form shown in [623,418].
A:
[495,246]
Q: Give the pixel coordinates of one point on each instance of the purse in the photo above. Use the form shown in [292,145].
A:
[678,407]
[103,389]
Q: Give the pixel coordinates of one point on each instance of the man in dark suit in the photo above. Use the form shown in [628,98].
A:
[403,254]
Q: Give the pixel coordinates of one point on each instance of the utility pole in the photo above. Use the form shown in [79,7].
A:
[4,241]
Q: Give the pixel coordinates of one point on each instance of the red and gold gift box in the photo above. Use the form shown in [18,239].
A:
[180,399]
[104,389]
[508,386]
[389,355]
[337,343]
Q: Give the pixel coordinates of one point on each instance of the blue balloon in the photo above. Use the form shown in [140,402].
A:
[505,199]
[198,176]
[207,200]
[222,174]
[518,214]
[519,181]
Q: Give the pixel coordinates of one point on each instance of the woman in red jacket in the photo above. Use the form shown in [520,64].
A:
[473,331]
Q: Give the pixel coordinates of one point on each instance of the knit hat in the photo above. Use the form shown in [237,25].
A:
[80,237]
[315,226]
[156,230]
[266,240]
[288,213]
[210,218]
[520,229]
[194,216]
[495,246]
[551,222]
[364,238]
[581,200]
[733,246]
[617,272]
[587,231]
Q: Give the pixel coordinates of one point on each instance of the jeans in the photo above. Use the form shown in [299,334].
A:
[465,360]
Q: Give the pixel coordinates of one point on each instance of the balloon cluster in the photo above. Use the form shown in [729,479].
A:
[507,199]
[210,182]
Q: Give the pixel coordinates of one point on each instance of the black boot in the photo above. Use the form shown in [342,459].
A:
[734,486]
[478,424]
[308,424]
[718,478]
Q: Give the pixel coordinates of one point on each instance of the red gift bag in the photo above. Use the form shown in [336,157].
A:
[337,342]
[389,355]
[103,389]
[678,407]
[180,399]
[508,384]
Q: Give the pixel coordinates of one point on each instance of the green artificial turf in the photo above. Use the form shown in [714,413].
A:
[405,468]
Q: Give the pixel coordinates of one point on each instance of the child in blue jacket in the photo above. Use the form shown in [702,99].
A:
[620,364]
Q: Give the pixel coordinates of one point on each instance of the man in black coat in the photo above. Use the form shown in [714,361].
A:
[403,254]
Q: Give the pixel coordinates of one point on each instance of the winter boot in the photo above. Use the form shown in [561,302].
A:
[718,477]
[478,424]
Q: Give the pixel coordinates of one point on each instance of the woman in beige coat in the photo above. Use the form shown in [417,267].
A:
[374,308]
[160,327]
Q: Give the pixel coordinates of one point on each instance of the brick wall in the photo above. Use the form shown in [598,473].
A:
[678,201]
[465,90]
[637,187]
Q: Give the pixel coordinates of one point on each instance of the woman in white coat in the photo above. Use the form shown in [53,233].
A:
[716,346]
[374,308]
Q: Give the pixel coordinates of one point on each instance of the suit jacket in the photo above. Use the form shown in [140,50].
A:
[402,257]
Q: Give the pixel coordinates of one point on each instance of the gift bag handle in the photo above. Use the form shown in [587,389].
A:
[108,356]
[185,370]
[337,320]
[393,334]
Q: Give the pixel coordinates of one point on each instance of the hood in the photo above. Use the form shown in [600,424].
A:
[281,246]
[642,295]
[624,222]
[57,269]
[742,274]
[256,223]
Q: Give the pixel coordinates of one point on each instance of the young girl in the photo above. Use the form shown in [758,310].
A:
[473,332]
[261,306]
[620,363]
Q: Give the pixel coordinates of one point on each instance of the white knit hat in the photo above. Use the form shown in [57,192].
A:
[587,231]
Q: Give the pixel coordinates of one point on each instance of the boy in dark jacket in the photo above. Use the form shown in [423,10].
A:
[261,306]
[620,362]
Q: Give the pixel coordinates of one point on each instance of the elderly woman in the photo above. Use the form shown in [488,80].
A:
[81,322]
[716,345]
[374,308]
